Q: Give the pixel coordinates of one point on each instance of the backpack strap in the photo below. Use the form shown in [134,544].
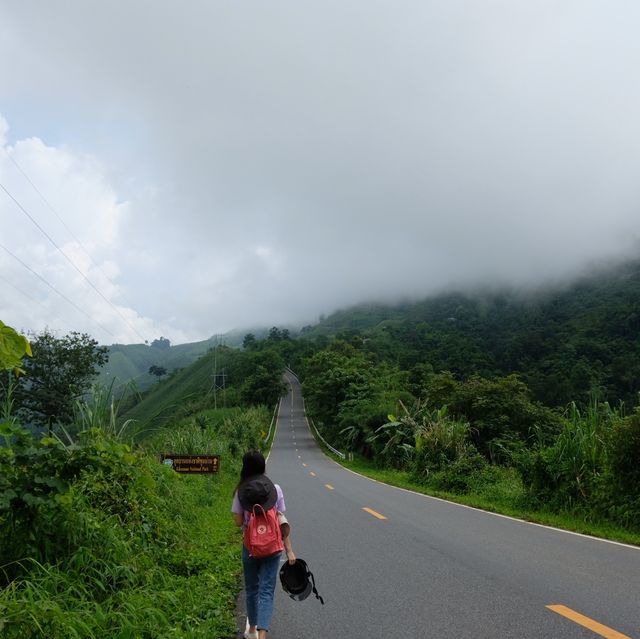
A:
[315,592]
[253,510]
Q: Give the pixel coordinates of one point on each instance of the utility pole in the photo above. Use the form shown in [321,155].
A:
[217,386]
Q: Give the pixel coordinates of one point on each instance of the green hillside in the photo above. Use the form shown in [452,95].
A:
[131,362]
[244,378]
[564,342]
[188,386]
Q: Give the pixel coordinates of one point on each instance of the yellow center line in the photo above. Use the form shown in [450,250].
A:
[312,473]
[329,486]
[594,626]
[374,513]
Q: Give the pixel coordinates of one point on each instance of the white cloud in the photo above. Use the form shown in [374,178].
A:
[264,163]
[77,208]
[4,129]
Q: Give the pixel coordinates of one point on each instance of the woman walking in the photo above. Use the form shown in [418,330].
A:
[260,573]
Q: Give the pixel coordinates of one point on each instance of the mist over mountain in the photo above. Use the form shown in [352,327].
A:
[227,165]
[568,342]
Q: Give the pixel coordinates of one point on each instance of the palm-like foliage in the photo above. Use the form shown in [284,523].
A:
[423,437]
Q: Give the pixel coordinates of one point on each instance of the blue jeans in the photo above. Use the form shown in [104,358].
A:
[260,577]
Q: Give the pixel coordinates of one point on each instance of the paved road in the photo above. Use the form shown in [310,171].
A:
[433,569]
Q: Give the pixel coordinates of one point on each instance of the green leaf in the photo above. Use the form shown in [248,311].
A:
[13,347]
[31,500]
[49,441]
[5,498]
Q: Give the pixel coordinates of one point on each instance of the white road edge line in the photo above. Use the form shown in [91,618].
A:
[453,503]
[275,432]
[486,512]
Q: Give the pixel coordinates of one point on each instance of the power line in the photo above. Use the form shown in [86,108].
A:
[69,259]
[71,233]
[62,295]
[29,297]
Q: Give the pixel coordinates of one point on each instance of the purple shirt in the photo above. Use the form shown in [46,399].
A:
[238,510]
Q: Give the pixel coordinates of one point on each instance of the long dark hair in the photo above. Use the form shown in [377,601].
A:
[253,463]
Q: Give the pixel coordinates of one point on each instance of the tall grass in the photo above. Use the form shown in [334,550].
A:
[568,473]
[139,550]
[101,410]
[581,447]
[227,431]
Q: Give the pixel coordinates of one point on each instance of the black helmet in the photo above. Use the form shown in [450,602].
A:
[297,580]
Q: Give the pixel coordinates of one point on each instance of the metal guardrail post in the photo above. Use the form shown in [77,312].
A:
[325,442]
[273,419]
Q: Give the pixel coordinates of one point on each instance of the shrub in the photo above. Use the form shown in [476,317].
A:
[37,518]
[619,492]
[567,473]
[468,471]
[499,410]
[117,546]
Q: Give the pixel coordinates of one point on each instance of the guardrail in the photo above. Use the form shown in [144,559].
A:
[324,441]
[312,426]
[273,419]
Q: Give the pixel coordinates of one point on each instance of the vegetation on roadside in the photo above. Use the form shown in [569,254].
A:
[99,539]
[58,372]
[103,541]
[480,438]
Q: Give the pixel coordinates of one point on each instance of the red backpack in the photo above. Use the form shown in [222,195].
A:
[262,536]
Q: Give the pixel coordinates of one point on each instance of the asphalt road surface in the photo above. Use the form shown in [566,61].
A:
[433,569]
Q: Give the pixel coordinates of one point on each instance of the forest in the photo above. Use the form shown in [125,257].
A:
[534,393]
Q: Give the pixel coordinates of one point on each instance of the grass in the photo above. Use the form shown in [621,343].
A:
[173,394]
[178,585]
[504,496]
[150,553]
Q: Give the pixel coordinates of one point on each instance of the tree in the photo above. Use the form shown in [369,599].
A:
[158,371]
[260,373]
[249,342]
[328,377]
[277,335]
[500,410]
[161,342]
[262,387]
[60,371]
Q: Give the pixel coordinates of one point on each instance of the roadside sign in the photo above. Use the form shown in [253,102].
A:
[192,464]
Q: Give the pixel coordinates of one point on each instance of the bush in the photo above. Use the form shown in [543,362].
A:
[618,496]
[568,473]
[498,410]
[624,455]
[99,541]
[35,479]
[470,471]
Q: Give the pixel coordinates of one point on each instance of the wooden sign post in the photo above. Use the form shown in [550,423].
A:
[193,465]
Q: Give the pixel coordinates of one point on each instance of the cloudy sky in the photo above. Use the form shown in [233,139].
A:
[185,168]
